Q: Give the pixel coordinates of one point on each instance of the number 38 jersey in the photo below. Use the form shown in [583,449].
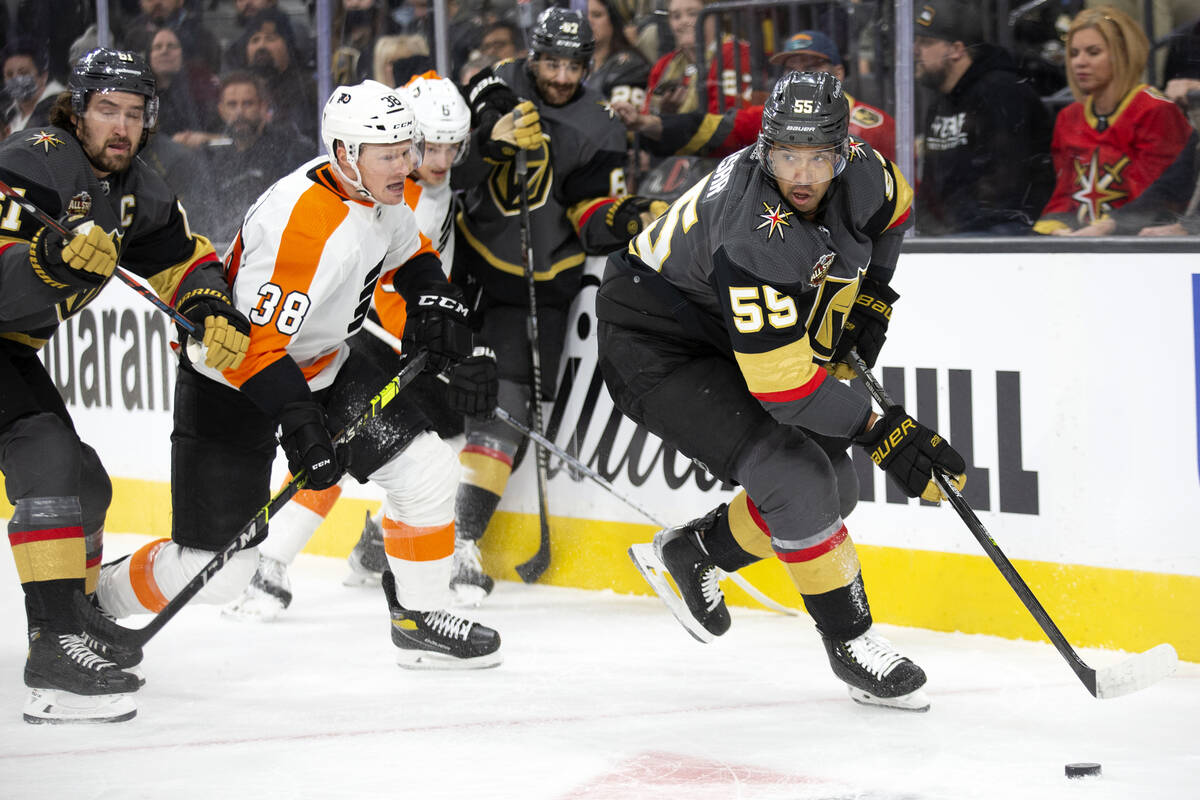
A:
[303,268]
[762,283]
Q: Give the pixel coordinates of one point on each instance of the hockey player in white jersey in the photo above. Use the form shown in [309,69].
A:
[305,265]
[445,123]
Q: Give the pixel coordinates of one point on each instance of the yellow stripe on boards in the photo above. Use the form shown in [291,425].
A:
[1094,606]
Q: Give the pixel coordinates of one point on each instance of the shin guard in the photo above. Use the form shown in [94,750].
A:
[48,546]
[144,582]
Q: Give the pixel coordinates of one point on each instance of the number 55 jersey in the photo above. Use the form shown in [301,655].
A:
[733,267]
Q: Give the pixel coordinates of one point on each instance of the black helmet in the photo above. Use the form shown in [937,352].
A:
[108,70]
[564,33]
[806,109]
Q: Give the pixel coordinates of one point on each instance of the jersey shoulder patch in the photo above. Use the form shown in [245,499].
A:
[866,117]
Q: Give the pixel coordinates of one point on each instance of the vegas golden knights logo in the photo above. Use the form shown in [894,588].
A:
[506,192]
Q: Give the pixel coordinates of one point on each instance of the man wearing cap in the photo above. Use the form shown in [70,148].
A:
[718,135]
[813,51]
[986,167]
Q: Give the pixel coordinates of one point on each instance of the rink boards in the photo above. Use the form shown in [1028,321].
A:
[1068,380]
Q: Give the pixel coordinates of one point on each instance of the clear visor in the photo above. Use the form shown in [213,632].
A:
[801,164]
[411,152]
[110,112]
[447,154]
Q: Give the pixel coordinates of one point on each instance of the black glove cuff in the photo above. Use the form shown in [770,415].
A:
[45,257]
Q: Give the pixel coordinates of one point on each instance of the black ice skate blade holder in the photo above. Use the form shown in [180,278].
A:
[131,638]
[1125,677]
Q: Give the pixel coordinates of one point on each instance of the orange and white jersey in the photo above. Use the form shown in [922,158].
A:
[434,209]
[303,269]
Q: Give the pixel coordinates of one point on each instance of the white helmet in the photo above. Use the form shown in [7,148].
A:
[368,113]
[442,114]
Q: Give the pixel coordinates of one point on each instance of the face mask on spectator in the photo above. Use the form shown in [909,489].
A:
[22,87]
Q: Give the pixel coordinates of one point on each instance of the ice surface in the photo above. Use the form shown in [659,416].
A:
[600,697]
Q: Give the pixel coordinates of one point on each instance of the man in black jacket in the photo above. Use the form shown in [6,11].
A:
[986,167]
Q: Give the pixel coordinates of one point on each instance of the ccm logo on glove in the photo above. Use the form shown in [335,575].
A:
[441,301]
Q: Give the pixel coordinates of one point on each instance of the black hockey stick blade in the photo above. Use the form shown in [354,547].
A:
[1130,675]
[132,638]
[532,569]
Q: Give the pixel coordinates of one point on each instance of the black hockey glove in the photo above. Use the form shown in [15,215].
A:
[221,329]
[490,99]
[306,442]
[474,386]
[909,452]
[438,322]
[86,258]
[866,325]
[629,215]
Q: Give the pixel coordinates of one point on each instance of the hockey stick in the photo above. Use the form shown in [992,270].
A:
[129,280]
[1131,675]
[381,333]
[130,638]
[532,569]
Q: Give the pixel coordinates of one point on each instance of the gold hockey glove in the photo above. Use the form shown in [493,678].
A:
[520,127]
[86,259]
[221,329]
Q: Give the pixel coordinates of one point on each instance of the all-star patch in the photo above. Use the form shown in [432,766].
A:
[46,139]
[821,269]
[776,218]
[80,205]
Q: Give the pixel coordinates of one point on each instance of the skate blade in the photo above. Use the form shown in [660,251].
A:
[253,609]
[467,595]
[913,701]
[425,660]
[356,579]
[646,559]
[56,707]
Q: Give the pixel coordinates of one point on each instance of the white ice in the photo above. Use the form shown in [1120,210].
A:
[599,696]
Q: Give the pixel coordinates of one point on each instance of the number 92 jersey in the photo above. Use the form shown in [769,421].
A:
[767,286]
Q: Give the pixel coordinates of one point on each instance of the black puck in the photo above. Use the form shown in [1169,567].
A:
[1083,770]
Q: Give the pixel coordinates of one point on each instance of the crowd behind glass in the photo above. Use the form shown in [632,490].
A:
[238,90]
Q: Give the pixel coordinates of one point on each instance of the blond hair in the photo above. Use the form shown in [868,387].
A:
[391,48]
[1128,47]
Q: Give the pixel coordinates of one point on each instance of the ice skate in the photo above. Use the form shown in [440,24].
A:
[469,582]
[266,597]
[699,605]
[125,658]
[70,683]
[876,674]
[438,639]
[367,560]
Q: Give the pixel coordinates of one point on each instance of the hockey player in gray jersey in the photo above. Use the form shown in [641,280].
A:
[723,330]
[578,204]
[83,168]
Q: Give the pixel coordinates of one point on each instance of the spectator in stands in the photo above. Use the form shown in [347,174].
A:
[502,40]
[357,24]
[249,9]
[985,169]
[399,58]
[1119,135]
[30,91]
[814,51]
[1168,207]
[187,91]
[267,47]
[198,41]
[619,71]
[673,86]
[715,136]
[254,152]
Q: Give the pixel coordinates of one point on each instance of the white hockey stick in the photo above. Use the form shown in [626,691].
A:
[383,335]
[1134,673]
